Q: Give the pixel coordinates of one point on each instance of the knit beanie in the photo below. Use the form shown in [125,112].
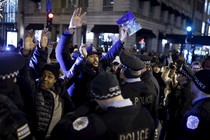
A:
[11,63]
[52,67]
[105,86]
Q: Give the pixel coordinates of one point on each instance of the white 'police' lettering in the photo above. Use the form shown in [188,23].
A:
[199,83]
[114,88]
[143,100]
[136,135]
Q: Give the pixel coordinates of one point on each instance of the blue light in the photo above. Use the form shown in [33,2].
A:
[189,28]
[7,48]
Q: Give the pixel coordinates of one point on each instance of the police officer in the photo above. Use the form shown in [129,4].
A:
[119,120]
[133,87]
[149,79]
[13,122]
[196,122]
[178,101]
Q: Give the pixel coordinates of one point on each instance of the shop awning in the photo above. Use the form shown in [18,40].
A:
[177,13]
[154,3]
[161,35]
[146,33]
[176,38]
[188,19]
[164,7]
[196,39]
[183,16]
[170,10]
[34,26]
[105,29]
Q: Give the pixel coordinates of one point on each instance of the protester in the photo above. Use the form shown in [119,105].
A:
[47,96]
[93,62]
[157,72]
[64,48]
[14,124]
[120,119]
[196,123]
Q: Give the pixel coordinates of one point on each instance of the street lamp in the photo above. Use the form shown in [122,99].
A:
[189,28]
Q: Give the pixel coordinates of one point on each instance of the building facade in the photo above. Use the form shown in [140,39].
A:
[158,18]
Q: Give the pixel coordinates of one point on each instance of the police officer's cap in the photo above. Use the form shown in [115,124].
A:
[186,71]
[145,58]
[131,61]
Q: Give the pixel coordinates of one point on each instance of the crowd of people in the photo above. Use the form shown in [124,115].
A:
[82,94]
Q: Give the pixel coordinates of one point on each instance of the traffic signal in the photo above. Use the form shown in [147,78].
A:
[189,36]
[49,21]
[189,30]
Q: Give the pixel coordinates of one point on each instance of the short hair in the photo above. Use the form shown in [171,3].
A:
[196,63]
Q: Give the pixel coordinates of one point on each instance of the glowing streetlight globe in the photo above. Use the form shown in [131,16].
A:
[189,28]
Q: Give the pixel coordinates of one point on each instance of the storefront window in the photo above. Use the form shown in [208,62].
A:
[106,40]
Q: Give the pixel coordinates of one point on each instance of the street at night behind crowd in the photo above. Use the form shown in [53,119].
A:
[80,93]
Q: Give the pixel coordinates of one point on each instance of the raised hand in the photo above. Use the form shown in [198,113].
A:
[77,18]
[44,38]
[124,34]
[28,41]
[83,51]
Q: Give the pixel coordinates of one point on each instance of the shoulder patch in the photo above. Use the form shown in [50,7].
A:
[80,123]
[192,122]
[23,132]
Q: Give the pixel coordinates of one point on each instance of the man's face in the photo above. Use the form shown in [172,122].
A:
[93,60]
[47,80]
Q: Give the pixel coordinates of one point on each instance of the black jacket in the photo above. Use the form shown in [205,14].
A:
[196,122]
[41,102]
[79,90]
[134,122]
[12,121]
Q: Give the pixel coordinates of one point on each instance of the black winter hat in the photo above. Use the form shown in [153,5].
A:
[201,80]
[52,67]
[11,63]
[186,71]
[105,86]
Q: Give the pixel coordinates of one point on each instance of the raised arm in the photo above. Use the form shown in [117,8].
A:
[114,50]
[62,49]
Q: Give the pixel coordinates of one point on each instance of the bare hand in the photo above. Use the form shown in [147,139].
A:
[124,34]
[44,38]
[77,18]
[83,51]
[28,41]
